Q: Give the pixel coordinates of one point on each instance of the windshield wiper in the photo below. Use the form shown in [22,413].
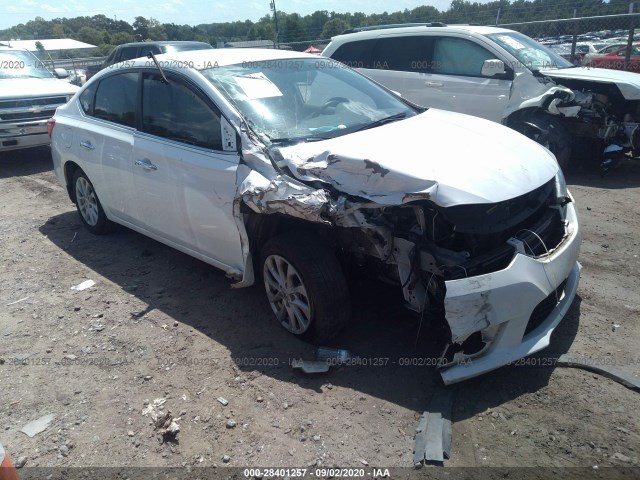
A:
[297,139]
[384,121]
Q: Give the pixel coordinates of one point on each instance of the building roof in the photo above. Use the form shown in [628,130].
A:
[49,44]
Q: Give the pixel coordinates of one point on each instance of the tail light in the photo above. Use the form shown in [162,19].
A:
[50,124]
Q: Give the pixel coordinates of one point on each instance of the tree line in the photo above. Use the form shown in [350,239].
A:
[106,32]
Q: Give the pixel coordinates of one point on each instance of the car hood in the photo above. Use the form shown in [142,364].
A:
[627,82]
[35,87]
[448,158]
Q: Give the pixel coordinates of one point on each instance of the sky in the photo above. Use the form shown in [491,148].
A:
[193,12]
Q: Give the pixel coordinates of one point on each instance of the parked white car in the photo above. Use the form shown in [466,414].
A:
[29,95]
[279,167]
[503,76]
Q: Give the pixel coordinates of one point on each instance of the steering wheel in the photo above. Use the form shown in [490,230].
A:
[333,102]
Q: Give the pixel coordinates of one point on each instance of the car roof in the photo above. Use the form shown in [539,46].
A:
[202,59]
[382,31]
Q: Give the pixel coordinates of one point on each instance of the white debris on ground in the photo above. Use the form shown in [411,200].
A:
[163,422]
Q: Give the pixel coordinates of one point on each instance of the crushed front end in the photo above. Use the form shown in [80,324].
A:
[498,278]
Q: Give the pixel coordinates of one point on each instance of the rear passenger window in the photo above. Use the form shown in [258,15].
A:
[115,99]
[355,54]
[86,99]
[405,54]
[457,56]
[178,113]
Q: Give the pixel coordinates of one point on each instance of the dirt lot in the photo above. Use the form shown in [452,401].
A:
[159,324]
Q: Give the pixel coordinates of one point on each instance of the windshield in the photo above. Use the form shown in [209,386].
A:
[529,52]
[291,100]
[21,64]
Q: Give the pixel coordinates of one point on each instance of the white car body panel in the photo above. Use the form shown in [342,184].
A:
[627,82]
[188,198]
[31,87]
[398,171]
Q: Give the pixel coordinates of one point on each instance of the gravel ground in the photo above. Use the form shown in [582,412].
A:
[158,324]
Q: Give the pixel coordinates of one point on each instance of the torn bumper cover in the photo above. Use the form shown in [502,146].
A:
[515,310]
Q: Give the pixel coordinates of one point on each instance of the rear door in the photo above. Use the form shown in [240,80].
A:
[184,179]
[400,63]
[104,141]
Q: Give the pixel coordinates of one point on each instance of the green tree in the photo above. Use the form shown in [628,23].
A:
[91,35]
[333,27]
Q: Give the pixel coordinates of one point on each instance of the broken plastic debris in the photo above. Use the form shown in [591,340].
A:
[38,426]
[223,401]
[17,301]
[333,354]
[162,421]
[84,285]
[311,366]
[152,407]
[165,424]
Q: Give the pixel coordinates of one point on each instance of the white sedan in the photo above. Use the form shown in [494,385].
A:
[282,167]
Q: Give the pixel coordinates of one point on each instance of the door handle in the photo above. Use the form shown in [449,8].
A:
[434,84]
[87,145]
[146,164]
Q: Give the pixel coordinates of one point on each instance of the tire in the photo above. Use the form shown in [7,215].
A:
[89,207]
[552,135]
[313,302]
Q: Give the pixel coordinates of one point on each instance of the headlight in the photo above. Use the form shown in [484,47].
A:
[561,187]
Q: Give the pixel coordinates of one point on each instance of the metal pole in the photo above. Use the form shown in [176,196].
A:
[627,55]
[498,16]
[275,16]
[574,40]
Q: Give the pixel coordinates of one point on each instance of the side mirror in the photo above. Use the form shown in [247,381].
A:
[492,68]
[60,73]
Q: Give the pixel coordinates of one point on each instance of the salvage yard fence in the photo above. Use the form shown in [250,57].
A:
[573,37]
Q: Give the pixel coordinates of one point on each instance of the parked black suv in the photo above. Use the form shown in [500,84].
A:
[127,51]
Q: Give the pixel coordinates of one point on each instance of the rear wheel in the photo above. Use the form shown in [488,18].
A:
[305,286]
[88,204]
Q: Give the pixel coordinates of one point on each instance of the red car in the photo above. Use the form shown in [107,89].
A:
[615,60]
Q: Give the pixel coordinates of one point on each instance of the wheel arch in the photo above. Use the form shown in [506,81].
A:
[70,169]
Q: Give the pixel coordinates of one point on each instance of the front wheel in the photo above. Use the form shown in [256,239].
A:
[305,287]
[551,134]
[88,204]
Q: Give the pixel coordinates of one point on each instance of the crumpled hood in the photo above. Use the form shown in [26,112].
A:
[627,82]
[11,88]
[449,158]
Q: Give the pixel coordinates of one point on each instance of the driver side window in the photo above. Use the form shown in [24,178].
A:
[457,56]
[176,112]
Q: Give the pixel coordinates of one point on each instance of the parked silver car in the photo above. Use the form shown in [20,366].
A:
[280,167]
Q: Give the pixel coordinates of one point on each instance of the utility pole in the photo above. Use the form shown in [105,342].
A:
[627,55]
[275,17]
[498,17]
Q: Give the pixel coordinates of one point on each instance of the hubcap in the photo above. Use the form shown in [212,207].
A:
[87,201]
[287,294]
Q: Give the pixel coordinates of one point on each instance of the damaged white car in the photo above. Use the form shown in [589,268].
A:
[504,76]
[280,167]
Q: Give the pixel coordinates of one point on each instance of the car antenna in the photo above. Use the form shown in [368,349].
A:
[152,56]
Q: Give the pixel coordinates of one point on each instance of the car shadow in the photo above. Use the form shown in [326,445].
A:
[29,161]
[527,376]
[627,175]
[396,352]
